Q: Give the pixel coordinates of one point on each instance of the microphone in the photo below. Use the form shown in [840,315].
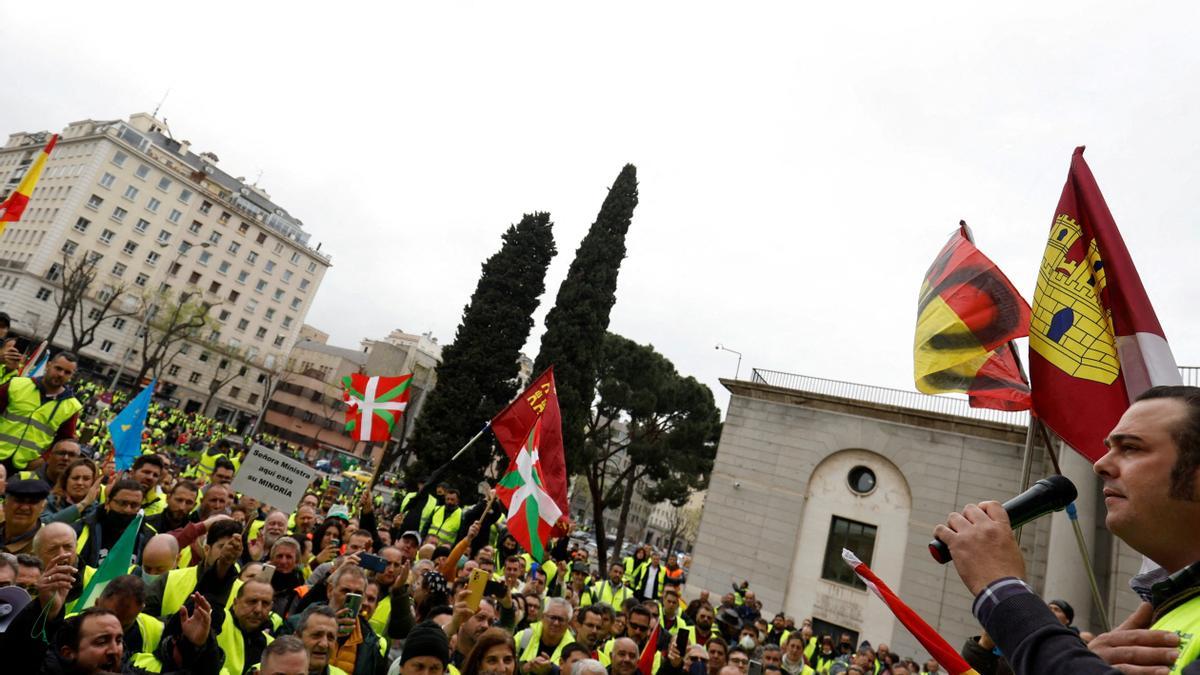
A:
[1046,495]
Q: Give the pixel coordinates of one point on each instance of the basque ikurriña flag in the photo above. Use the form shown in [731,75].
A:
[12,208]
[532,513]
[374,404]
[967,314]
[513,424]
[937,646]
[1095,343]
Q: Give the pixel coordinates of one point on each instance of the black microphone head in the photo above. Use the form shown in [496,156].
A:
[1061,490]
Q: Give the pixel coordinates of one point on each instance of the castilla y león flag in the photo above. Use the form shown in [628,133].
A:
[534,487]
[1095,343]
[935,644]
[967,314]
[12,208]
[374,404]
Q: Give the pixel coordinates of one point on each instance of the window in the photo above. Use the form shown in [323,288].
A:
[185,196]
[141,279]
[94,202]
[262,237]
[234,295]
[859,538]
[295,257]
[242,276]
[251,305]
[269,267]
[295,305]
[278,295]
[253,398]
[204,357]
[270,314]
[287,322]
[119,158]
[55,272]
[141,225]
[205,256]
[119,214]
[234,247]
[312,267]
[234,392]
[142,171]
[69,247]
[106,345]
[252,257]
[105,293]
[152,205]
[173,370]
[278,341]
[214,287]
[260,333]
[107,180]
[304,284]
[194,378]
[131,193]
[224,267]
[193,279]
[152,258]
[279,247]
[95,314]
[194,228]
[119,269]
[260,286]
[43,294]
[205,206]
[243,324]
[129,248]
[163,236]
[106,236]
[214,336]
[224,315]
[224,219]
[243,228]
[176,214]
[164,183]
[214,237]
[81,225]
[119,323]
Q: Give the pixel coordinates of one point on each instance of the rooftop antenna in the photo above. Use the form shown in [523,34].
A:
[160,103]
[258,177]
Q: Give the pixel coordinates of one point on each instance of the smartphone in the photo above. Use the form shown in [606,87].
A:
[267,572]
[371,562]
[354,603]
[681,642]
[337,543]
[495,588]
[475,586]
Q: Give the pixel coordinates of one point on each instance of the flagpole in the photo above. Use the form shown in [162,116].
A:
[471,442]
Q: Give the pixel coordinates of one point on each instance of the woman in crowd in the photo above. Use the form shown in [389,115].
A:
[74,494]
[494,653]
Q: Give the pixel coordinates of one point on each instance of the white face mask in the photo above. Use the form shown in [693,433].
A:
[746,642]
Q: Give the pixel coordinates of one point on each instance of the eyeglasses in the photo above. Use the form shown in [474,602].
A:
[693,659]
[740,661]
[639,626]
[554,619]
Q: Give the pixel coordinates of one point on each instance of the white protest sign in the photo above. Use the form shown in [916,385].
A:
[272,478]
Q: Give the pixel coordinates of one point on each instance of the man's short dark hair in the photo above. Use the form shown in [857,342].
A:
[184,484]
[126,586]
[640,610]
[156,460]
[68,633]
[575,647]
[69,356]
[222,529]
[30,560]
[320,610]
[281,646]
[126,484]
[1186,436]
[224,463]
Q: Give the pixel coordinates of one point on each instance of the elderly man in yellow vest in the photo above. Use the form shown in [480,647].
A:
[539,647]
[243,634]
[37,412]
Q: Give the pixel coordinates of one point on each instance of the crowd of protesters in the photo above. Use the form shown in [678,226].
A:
[351,581]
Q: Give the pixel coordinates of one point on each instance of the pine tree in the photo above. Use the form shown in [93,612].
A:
[477,377]
[576,326]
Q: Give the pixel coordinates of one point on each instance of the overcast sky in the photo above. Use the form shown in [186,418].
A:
[800,165]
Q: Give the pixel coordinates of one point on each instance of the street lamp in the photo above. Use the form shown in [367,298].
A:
[739,355]
[184,247]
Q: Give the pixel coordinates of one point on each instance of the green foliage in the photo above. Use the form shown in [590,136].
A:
[477,377]
[575,327]
[649,424]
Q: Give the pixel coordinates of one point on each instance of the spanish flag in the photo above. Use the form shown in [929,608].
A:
[12,208]
[937,646]
[967,315]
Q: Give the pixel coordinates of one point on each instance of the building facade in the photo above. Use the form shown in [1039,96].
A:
[161,221]
[807,467]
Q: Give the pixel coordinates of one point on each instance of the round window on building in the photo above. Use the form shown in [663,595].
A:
[861,480]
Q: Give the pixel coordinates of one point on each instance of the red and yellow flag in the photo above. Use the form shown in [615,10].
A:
[515,423]
[1095,343]
[937,646]
[967,314]
[12,208]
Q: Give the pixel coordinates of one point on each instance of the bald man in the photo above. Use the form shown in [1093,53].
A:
[160,556]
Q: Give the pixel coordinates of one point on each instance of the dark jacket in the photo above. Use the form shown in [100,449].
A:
[90,555]
[367,658]
[984,661]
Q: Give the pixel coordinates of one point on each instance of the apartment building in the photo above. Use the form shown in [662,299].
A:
[162,221]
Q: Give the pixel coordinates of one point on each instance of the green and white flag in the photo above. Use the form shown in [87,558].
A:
[115,564]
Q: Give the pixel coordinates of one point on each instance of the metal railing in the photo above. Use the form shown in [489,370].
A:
[946,404]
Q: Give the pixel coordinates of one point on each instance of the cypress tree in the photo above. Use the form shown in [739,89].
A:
[576,326]
[477,377]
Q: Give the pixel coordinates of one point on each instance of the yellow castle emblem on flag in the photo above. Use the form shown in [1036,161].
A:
[1070,327]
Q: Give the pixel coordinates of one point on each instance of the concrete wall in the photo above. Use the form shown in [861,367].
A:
[780,476]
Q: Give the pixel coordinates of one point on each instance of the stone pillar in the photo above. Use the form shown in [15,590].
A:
[1066,577]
